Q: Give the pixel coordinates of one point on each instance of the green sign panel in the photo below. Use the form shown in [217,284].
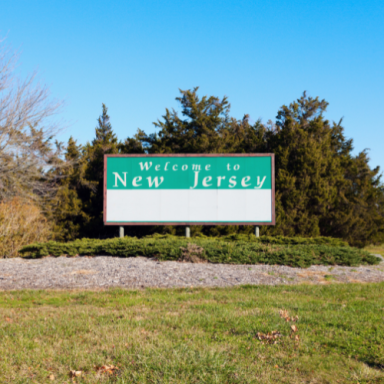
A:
[189,173]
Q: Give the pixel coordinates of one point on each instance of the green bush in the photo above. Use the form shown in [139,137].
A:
[279,240]
[295,252]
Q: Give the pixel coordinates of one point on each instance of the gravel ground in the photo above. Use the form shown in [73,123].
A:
[139,272]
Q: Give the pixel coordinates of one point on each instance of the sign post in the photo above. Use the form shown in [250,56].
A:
[191,189]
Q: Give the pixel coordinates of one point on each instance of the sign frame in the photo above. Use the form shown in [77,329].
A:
[271,155]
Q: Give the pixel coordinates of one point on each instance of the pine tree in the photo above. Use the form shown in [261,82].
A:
[358,214]
[308,172]
[105,142]
[133,144]
[104,133]
[68,212]
[199,131]
[321,187]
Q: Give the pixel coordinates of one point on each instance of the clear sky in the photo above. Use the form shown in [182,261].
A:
[134,55]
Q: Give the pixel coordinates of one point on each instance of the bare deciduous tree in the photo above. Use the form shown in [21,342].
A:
[27,130]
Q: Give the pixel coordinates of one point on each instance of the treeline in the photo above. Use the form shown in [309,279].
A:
[52,191]
[322,188]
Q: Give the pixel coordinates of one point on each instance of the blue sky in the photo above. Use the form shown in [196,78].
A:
[135,55]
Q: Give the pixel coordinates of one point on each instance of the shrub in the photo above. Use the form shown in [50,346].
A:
[192,254]
[21,223]
[281,240]
[303,254]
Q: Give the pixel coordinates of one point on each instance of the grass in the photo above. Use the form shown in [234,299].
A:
[295,252]
[378,249]
[194,335]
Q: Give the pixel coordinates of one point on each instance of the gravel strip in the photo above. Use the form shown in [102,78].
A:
[139,272]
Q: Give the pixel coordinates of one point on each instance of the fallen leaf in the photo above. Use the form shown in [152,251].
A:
[110,369]
[51,377]
[269,338]
[75,373]
[294,328]
[284,314]
[8,319]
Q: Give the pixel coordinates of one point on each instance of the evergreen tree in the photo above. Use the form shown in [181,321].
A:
[133,144]
[105,142]
[358,214]
[308,174]
[199,131]
[321,188]
[68,207]
[104,133]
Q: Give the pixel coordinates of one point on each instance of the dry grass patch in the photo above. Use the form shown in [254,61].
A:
[21,223]
[375,249]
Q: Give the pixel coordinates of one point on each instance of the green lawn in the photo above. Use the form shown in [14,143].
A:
[194,335]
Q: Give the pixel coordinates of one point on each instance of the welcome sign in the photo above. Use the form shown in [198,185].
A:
[189,189]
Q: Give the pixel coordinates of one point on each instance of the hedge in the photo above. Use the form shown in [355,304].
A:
[295,252]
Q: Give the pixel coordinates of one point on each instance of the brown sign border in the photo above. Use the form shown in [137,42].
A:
[271,155]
